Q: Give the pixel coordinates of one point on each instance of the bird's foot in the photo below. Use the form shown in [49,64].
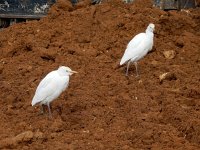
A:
[50,117]
[126,73]
[40,113]
[42,110]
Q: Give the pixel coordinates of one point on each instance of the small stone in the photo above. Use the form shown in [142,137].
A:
[24,137]
[169,54]
[167,76]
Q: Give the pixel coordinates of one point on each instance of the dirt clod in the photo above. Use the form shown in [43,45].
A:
[167,76]
[169,54]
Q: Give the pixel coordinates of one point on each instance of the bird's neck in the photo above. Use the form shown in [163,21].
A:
[149,33]
[61,73]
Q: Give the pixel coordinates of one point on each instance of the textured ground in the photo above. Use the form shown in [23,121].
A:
[102,108]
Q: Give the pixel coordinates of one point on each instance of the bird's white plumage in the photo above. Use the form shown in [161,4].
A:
[138,47]
[52,86]
[132,48]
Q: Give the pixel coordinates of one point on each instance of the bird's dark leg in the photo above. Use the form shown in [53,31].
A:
[136,67]
[49,108]
[41,109]
[128,64]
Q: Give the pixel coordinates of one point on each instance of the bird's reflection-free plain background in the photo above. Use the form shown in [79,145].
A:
[102,108]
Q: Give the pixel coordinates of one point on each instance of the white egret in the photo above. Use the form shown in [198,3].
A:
[138,47]
[52,86]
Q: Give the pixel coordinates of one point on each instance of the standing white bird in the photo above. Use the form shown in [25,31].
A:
[138,47]
[52,86]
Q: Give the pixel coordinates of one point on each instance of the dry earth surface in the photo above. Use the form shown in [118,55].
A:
[102,108]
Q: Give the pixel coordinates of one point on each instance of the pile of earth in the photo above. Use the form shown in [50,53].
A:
[102,108]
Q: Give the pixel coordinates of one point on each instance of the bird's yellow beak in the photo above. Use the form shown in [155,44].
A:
[73,72]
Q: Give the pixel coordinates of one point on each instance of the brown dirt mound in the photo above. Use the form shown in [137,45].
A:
[102,109]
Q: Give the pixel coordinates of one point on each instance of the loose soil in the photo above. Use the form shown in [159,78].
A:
[102,108]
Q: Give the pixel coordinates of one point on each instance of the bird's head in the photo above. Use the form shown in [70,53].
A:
[151,27]
[66,70]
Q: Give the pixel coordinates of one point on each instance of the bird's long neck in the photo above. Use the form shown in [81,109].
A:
[149,33]
[62,73]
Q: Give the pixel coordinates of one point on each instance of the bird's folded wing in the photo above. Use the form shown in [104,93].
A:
[132,47]
[136,40]
[45,88]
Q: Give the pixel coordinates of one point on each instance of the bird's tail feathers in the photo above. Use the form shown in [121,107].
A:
[123,61]
[34,101]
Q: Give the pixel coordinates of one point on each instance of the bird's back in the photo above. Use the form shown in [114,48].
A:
[42,85]
[50,88]
[132,48]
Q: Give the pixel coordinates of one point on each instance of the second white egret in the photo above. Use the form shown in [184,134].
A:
[138,47]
